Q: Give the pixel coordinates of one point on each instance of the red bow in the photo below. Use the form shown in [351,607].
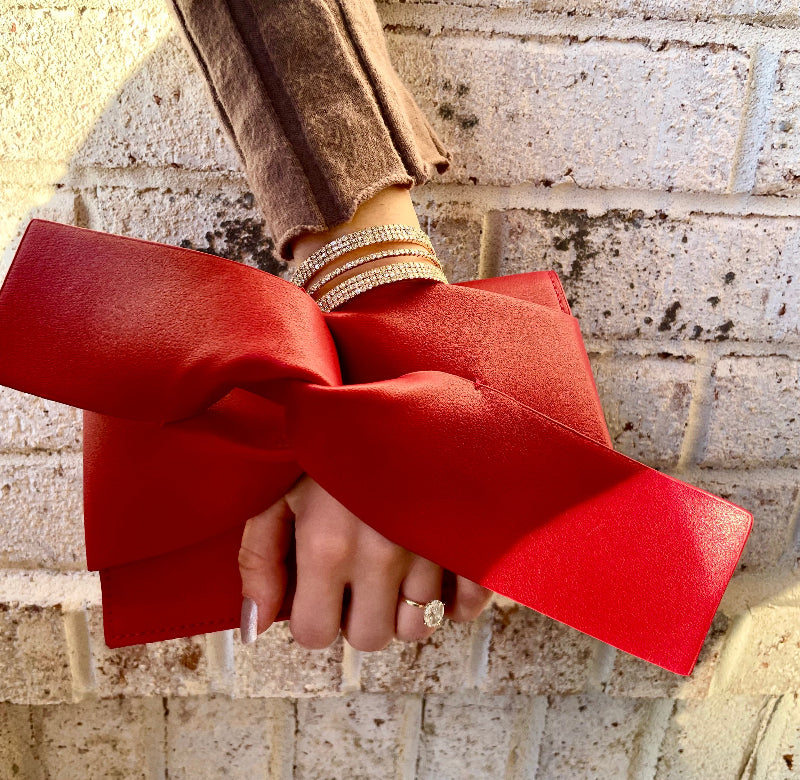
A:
[460,421]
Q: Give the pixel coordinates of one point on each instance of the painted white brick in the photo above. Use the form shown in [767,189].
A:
[771,501]
[174,667]
[766,657]
[275,665]
[710,738]
[161,116]
[646,404]
[438,664]
[477,736]
[33,655]
[754,415]
[31,423]
[220,737]
[633,677]
[706,277]
[590,736]
[365,735]
[779,167]
[606,114]
[530,653]
[120,738]
[223,223]
[66,63]
[17,758]
[41,513]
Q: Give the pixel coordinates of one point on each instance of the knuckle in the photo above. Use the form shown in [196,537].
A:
[470,603]
[252,561]
[326,550]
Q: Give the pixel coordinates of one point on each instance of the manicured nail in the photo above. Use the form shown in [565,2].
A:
[249,625]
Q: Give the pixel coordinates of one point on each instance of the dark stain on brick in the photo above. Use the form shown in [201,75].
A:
[696,332]
[713,300]
[468,122]
[789,759]
[724,329]
[462,90]
[782,310]
[729,277]
[648,320]
[669,316]
[446,111]
[243,240]
[190,657]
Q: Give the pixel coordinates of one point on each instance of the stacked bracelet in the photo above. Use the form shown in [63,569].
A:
[370,235]
[427,267]
[373,277]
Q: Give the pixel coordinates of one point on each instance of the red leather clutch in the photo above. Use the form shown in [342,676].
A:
[461,421]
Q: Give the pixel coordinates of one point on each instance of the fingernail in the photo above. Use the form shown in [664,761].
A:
[249,625]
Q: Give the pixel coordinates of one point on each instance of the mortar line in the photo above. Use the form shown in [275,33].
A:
[79,654]
[526,740]
[731,654]
[410,741]
[219,651]
[489,264]
[750,761]
[649,739]
[755,118]
[521,23]
[698,418]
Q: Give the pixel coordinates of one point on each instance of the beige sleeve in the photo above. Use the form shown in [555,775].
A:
[310,99]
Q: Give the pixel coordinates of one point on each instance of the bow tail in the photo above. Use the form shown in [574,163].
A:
[503,495]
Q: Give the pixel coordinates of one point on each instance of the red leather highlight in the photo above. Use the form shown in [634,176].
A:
[461,421]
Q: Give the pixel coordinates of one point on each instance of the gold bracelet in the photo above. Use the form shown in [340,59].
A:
[369,258]
[369,235]
[373,277]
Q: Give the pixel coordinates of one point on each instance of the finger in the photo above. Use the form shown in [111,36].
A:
[423,583]
[370,620]
[322,557]
[469,601]
[262,567]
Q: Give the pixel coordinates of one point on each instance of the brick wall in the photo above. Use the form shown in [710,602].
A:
[647,150]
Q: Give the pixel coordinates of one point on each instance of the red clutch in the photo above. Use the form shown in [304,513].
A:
[461,421]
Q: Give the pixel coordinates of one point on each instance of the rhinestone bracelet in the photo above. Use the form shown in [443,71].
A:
[368,258]
[369,235]
[373,277]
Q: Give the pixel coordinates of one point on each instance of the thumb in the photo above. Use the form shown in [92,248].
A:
[262,567]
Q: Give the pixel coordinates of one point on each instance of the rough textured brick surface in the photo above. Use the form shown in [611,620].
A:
[646,404]
[175,667]
[754,415]
[17,742]
[28,423]
[219,737]
[531,653]
[476,736]
[116,738]
[455,230]
[606,114]
[161,116]
[275,665]
[41,513]
[590,736]
[710,738]
[21,202]
[67,62]
[437,664]
[777,755]
[767,656]
[626,275]
[361,736]
[771,501]
[33,655]
[222,223]
[633,677]
[779,166]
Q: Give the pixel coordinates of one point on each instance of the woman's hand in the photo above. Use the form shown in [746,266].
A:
[337,556]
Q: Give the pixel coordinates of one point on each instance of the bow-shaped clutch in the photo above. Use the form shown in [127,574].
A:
[461,421]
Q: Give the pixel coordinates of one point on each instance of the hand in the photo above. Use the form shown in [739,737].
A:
[340,558]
